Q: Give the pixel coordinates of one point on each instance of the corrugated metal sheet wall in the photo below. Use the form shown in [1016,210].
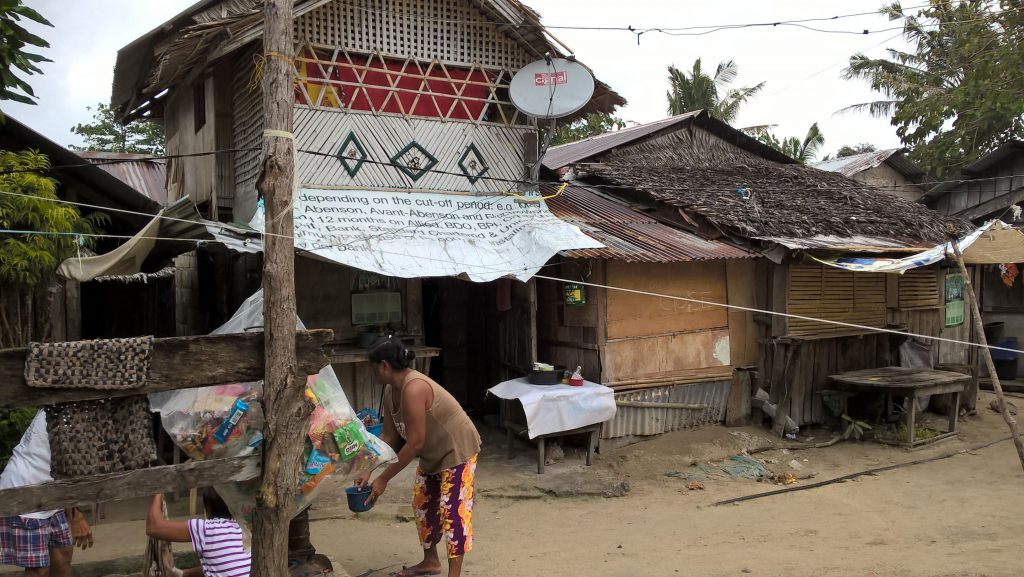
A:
[644,422]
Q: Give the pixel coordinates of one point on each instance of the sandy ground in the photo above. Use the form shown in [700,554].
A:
[962,516]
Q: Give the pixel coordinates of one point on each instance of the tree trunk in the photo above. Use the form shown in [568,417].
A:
[986,354]
[284,405]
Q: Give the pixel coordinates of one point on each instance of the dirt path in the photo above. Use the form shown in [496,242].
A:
[960,517]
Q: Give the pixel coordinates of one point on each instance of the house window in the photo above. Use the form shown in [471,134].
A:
[828,293]
[377,308]
[199,104]
[919,289]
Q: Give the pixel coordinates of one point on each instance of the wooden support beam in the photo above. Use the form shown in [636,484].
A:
[986,354]
[126,485]
[178,363]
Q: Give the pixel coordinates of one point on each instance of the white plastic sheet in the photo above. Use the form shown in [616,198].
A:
[557,408]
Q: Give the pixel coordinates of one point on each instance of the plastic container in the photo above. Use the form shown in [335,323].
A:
[547,377]
[357,499]
[995,332]
[376,430]
[1008,343]
[1006,369]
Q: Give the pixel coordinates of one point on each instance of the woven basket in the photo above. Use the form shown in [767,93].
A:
[109,364]
[98,437]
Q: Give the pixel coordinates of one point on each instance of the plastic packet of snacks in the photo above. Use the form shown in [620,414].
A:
[227,421]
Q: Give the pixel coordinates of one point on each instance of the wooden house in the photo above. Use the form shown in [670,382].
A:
[699,175]
[989,189]
[889,170]
[77,310]
[389,96]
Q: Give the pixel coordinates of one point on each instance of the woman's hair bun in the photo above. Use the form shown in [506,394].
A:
[410,355]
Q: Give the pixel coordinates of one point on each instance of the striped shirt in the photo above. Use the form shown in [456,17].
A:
[218,542]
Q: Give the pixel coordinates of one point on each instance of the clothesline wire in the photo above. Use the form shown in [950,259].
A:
[493,268]
[781,314]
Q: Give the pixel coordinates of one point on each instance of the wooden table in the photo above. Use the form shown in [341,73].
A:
[909,384]
[515,427]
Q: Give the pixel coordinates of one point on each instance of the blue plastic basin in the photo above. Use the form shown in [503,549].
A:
[357,499]
[376,430]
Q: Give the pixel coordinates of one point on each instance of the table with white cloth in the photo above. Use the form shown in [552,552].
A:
[554,411]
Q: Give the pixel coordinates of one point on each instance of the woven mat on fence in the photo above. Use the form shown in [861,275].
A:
[97,437]
[102,364]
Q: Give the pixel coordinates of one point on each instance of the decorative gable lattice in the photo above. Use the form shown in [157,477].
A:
[339,79]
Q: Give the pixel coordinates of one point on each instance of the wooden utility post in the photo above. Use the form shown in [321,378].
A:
[283,393]
[986,354]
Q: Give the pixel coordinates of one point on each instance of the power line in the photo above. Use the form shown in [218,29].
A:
[621,289]
[147,158]
[520,181]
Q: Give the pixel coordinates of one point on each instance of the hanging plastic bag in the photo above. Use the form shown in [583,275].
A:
[227,421]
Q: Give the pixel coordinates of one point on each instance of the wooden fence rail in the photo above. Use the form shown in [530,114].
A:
[177,363]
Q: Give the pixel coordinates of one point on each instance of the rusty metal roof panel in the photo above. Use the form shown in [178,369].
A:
[629,234]
[145,174]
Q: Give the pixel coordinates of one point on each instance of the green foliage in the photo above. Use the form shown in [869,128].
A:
[854,428]
[804,151]
[696,90]
[594,124]
[959,92]
[15,43]
[13,423]
[106,133]
[847,150]
[30,259]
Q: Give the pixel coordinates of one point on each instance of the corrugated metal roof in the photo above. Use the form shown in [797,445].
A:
[565,154]
[630,235]
[142,172]
[851,165]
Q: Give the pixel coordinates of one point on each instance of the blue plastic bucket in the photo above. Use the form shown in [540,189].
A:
[376,430]
[1007,343]
[357,499]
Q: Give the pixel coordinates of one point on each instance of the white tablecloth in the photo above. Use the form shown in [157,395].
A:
[557,408]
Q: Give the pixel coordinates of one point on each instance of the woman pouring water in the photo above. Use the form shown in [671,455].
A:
[437,430]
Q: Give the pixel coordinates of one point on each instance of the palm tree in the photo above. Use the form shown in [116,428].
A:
[807,149]
[695,90]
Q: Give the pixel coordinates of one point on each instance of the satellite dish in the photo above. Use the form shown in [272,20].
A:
[551,88]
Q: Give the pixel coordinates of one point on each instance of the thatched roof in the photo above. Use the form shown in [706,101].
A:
[785,200]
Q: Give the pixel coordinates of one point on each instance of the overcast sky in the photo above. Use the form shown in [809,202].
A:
[801,67]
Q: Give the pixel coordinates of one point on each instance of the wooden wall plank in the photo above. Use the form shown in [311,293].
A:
[127,485]
[633,315]
[666,355]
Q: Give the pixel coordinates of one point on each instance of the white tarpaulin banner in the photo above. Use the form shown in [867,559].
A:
[993,243]
[422,234]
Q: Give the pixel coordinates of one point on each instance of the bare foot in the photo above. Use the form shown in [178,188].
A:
[422,568]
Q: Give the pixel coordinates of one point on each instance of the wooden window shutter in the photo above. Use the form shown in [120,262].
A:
[919,288]
[832,294]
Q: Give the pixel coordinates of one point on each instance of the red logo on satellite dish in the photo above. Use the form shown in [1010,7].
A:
[549,78]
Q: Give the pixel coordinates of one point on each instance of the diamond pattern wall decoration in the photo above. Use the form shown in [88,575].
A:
[473,164]
[414,161]
[352,154]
